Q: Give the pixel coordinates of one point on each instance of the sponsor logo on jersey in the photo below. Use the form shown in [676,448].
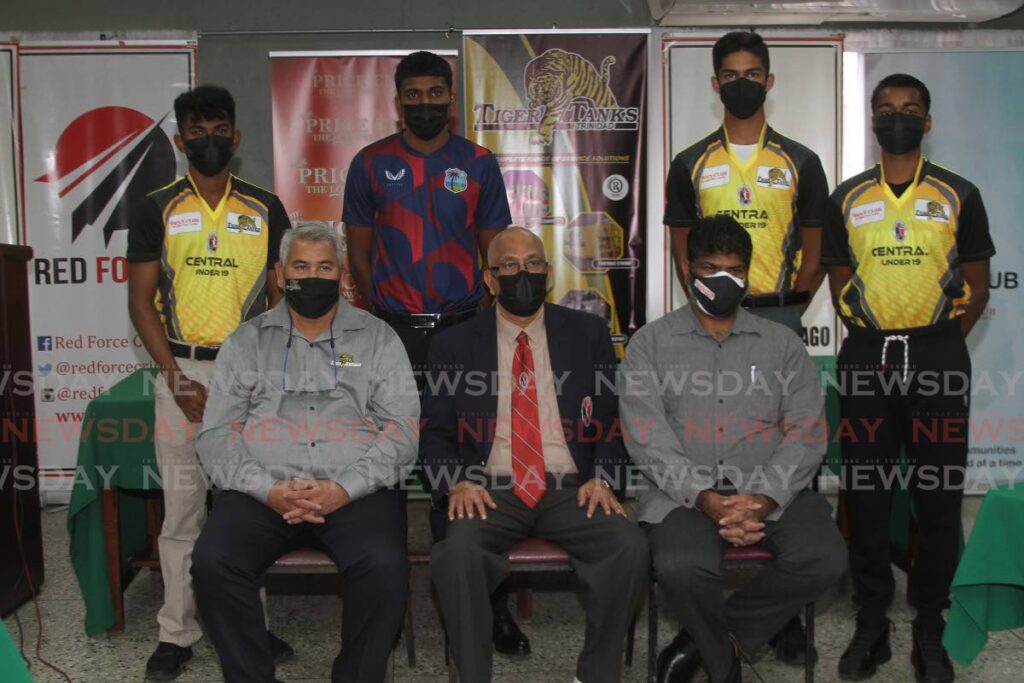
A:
[931,210]
[189,221]
[244,224]
[745,195]
[456,180]
[713,176]
[774,177]
[871,212]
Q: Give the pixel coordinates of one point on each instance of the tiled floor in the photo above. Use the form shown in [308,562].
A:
[311,625]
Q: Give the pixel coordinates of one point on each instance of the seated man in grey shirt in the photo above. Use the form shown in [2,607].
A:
[725,418]
[312,414]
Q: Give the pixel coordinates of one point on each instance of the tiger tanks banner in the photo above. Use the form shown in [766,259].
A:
[564,115]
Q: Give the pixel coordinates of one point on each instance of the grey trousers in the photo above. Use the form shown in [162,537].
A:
[810,556]
[609,555]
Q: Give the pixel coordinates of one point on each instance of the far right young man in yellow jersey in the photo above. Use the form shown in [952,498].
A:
[773,186]
[907,248]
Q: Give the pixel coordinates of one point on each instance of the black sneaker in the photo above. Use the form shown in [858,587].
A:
[868,649]
[167,662]
[931,663]
[280,650]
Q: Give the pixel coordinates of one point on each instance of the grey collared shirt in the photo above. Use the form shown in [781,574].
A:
[745,412]
[282,406]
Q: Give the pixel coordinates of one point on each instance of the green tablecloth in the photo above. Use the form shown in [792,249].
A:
[12,666]
[988,589]
[117,449]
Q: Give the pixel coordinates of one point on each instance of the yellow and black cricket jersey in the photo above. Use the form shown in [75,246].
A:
[213,261]
[905,247]
[781,188]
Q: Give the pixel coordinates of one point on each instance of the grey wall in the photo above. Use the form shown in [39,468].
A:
[229,15]
[238,60]
[233,54]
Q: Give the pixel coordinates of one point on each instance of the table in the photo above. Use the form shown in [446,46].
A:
[988,589]
[12,666]
[111,520]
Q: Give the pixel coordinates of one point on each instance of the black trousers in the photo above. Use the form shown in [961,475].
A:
[925,415]
[416,341]
[608,553]
[243,537]
[687,551]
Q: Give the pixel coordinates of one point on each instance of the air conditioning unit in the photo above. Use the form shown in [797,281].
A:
[813,12]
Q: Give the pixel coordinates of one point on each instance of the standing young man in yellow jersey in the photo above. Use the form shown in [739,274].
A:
[907,248]
[773,186]
[201,253]
[776,189]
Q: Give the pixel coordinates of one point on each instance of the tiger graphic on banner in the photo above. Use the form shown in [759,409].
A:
[555,78]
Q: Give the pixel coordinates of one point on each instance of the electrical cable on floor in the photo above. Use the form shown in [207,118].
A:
[744,658]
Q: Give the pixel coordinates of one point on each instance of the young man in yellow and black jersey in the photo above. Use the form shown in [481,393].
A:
[907,248]
[201,254]
[773,186]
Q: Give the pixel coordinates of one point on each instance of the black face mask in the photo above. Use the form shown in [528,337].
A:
[523,293]
[742,97]
[311,297]
[210,154]
[718,295]
[899,133]
[425,121]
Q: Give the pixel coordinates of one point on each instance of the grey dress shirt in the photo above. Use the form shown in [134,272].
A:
[744,413]
[282,406]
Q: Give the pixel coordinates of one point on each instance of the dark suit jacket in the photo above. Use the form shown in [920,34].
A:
[461,404]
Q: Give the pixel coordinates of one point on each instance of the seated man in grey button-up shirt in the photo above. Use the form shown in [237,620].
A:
[312,415]
[725,418]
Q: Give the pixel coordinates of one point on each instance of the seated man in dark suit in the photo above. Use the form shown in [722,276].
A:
[521,437]
[724,414]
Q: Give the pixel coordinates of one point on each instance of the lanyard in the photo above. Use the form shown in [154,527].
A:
[288,350]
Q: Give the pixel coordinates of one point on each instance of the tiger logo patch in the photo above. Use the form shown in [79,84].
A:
[245,224]
[936,210]
[774,177]
[556,78]
[932,210]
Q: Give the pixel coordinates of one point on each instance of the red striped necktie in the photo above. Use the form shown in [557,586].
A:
[527,451]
